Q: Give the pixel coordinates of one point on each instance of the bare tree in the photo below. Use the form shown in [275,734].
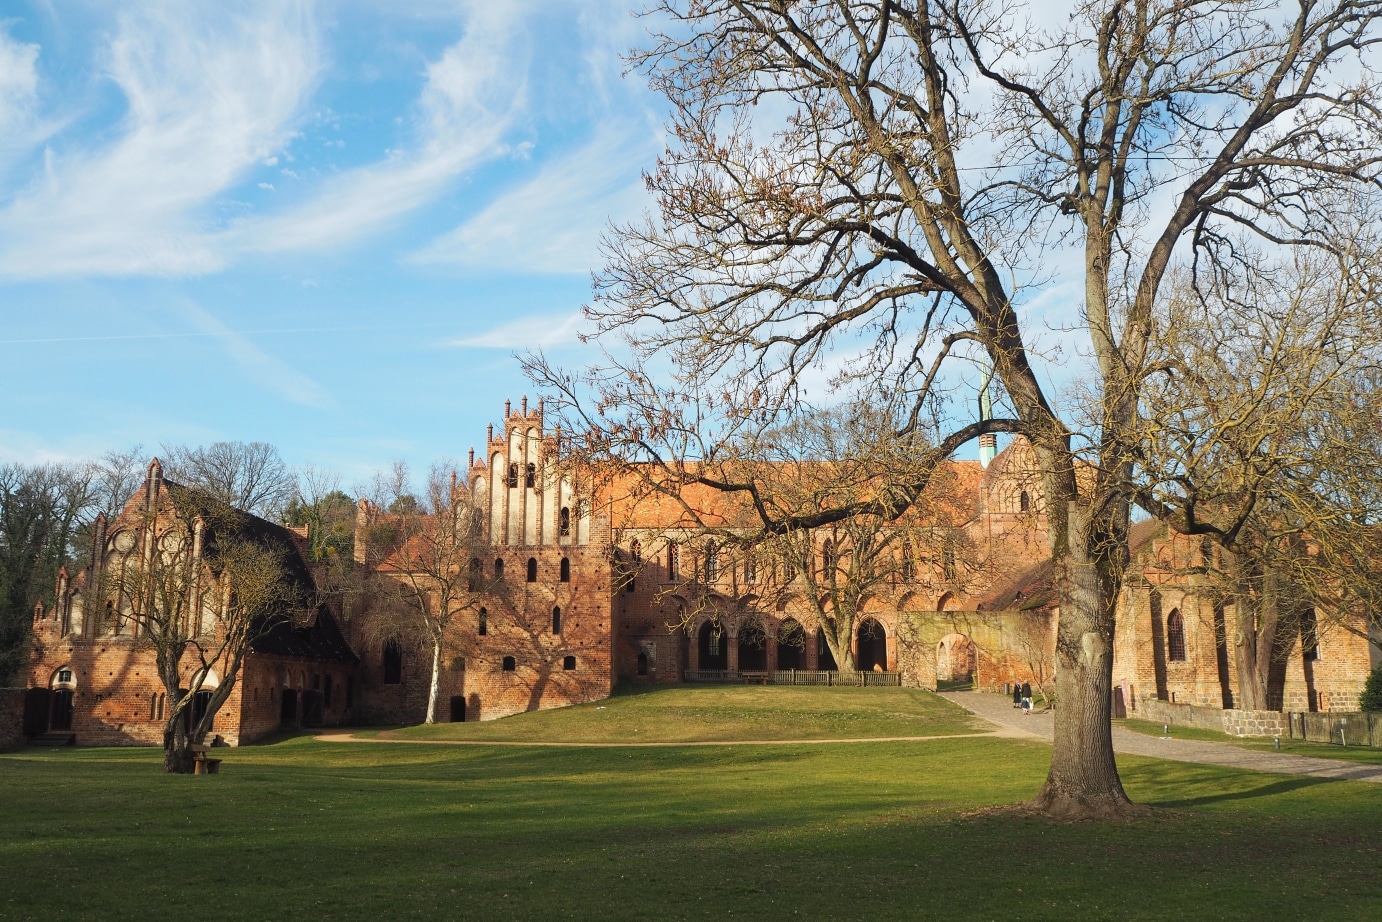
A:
[429,563]
[199,582]
[43,509]
[1262,437]
[247,475]
[859,191]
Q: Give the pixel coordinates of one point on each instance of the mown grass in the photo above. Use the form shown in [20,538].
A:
[723,713]
[1364,754]
[305,829]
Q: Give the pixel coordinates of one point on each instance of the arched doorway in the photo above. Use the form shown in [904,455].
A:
[753,646]
[63,686]
[791,645]
[873,647]
[458,709]
[711,646]
[825,660]
[956,660]
[288,708]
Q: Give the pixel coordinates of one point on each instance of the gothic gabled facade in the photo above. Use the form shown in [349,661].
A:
[597,591]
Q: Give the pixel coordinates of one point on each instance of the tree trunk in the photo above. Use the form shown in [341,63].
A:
[1255,619]
[1083,781]
[435,687]
[177,750]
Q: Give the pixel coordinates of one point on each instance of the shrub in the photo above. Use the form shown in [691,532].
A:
[1371,699]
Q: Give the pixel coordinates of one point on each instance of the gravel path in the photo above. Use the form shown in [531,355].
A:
[998,709]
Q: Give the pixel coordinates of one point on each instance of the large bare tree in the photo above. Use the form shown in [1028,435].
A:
[198,582]
[429,560]
[860,193]
[1262,436]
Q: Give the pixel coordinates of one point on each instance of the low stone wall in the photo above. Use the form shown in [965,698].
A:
[11,717]
[1232,722]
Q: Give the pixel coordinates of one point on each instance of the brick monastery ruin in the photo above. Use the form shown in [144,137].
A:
[600,592]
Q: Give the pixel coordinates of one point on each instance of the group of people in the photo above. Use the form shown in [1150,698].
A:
[1022,697]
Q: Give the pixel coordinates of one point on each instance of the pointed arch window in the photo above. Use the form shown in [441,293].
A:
[484,623]
[513,476]
[564,522]
[532,569]
[473,578]
[828,559]
[750,568]
[564,571]
[393,663]
[636,550]
[498,568]
[1175,636]
[673,561]
[1309,636]
[712,562]
[530,479]
[556,619]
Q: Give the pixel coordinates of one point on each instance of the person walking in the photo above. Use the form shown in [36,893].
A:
[1026,699]
[1017,695]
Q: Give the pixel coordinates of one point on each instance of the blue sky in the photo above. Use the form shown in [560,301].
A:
[323,226]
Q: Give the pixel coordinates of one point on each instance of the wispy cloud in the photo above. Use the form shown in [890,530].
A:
[471,96]
[528,333]
[553,222]
[209,94]
[269,372]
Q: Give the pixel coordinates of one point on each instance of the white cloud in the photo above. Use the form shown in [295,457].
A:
[208,97]
[526,333]
[471,95]
[18,83]
[553,222]
[271,373]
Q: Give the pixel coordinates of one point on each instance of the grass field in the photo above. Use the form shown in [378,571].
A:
[1364,754]
[312,830]
[724,713]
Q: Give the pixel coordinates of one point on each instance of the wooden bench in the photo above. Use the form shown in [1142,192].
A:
[755,678]
[202,763]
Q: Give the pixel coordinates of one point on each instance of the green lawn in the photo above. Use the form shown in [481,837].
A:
[1365,754]
[321,831]
[722,713]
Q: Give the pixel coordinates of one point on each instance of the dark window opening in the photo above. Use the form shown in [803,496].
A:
[828,560]
[642,663]
[531,479]
[510,664]
[458,709]
[636,550]
[673,561]
[629,586]
[564,522]
[569,663]
[532,569]
[499,568]
[1175,636]
[472,582]
[393,663]
[513,476]
[712,562]
[556,619]
[948,563]
[484,623]
[565,572]
[1309,636]
[1024,502]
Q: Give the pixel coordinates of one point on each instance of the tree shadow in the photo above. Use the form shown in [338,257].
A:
[1285,786]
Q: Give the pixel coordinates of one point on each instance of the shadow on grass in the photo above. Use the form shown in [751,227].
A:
[1284,786]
